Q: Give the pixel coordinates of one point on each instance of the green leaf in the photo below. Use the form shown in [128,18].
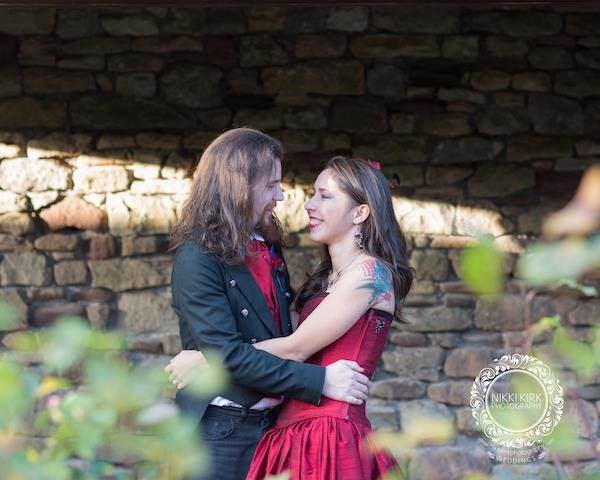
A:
[24,341]
[65,344]
[24,465]
[51,384]
[564,439]
[481,267]
[106,341]
[15,399]
[9,319]
[111,381]
[580,355]
[545,324]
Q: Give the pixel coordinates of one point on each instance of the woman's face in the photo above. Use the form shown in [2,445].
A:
[330,211]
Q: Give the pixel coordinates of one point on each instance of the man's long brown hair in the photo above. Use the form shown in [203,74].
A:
[217,215]
[381,233]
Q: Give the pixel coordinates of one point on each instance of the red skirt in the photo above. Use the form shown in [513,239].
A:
[320,448]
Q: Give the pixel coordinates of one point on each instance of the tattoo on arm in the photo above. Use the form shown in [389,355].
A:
[378,280]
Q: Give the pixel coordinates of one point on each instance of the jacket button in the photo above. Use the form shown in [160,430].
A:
[254,340]
[232,283]
[288,294]
[244,312]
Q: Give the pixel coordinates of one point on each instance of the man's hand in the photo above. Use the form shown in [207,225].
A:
[183,364]
[345,382]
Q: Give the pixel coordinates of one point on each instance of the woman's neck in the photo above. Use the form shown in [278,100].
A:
[342,253]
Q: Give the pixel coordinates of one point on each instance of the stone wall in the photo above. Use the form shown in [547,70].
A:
[488,116]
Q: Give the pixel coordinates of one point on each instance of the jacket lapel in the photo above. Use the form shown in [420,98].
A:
[282,301]
[285,293]
[247,285]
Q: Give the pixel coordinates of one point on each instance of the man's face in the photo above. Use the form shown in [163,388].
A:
[265,195]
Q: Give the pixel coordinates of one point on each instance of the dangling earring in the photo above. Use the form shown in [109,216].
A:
[359,239]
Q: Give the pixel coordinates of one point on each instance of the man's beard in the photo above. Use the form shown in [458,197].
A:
[270,228]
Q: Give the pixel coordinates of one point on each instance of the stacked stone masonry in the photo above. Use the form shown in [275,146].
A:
[488,116]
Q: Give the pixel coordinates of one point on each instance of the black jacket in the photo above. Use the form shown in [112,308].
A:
[221,307]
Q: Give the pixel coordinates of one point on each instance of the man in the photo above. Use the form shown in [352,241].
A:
[231,289]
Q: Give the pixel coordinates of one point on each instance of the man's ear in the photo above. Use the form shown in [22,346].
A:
[361,213]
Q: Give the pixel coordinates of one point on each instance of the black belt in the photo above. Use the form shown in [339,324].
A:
[243,412]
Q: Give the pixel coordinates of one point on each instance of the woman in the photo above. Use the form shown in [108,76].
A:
[346,308]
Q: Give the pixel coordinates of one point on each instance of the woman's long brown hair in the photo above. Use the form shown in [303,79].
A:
[381,233]
[217,215]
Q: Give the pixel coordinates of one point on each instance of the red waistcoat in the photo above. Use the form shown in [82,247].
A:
[259,262]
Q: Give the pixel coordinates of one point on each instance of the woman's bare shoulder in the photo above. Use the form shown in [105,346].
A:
[374,275]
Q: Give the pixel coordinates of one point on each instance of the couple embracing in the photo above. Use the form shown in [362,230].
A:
[296,401]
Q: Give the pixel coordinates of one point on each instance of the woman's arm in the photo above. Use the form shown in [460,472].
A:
[366,285]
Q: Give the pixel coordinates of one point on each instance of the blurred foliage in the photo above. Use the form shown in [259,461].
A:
[569,285]
[284,476]
[402,472]
[419,430]
[73,407]
[8,317]
[416,431]
[554,266]
[557,266]
[481,267]
[545,263]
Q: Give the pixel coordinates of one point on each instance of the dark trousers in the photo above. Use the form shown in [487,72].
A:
[230,436]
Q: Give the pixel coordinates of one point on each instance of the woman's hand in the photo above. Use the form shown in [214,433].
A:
[180,366]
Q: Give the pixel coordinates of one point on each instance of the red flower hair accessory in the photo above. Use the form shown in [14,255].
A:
[393,182]
[374,164]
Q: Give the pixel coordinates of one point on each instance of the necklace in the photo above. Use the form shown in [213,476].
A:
[336,277]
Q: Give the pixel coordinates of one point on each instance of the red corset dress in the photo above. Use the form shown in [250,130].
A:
[327,442]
